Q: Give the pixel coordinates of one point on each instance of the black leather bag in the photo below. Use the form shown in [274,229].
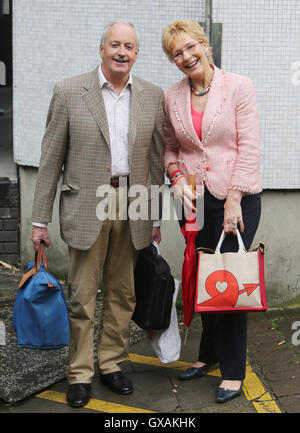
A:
[154,289]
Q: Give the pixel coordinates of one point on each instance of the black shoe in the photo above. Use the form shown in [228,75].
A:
[194,372]
[78,394]
[117,382]
[224,395]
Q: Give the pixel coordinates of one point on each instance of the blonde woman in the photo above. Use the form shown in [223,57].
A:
[212,131]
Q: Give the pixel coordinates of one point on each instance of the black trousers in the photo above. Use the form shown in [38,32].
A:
[224,336]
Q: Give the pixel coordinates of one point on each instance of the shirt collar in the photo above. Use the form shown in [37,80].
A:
[103,80]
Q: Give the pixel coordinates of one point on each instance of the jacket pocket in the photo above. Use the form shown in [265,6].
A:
[72,188]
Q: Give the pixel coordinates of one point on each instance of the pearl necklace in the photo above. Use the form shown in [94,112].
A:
[202,92]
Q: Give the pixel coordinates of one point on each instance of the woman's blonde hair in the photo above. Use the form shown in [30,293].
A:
[183,26]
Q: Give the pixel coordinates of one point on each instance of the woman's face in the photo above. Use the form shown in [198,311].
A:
[189,55]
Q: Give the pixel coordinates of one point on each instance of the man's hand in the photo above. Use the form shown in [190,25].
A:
[156,236]
[40,234]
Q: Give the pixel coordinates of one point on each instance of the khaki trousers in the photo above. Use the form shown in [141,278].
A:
[112,257]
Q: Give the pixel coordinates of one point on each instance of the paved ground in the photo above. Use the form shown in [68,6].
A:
[274,353]
[272,384]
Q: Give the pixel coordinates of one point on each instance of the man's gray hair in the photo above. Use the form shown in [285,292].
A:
[103,36]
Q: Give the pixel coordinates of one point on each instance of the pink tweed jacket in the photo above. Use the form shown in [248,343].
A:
[229,154]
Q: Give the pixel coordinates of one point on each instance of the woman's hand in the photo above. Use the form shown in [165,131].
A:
[183,191]
[233,212]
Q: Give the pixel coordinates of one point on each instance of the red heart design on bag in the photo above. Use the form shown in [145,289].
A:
[221,295]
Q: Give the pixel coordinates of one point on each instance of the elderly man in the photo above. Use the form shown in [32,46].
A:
[103,127]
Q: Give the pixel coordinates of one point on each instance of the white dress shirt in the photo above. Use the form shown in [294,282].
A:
[117,112]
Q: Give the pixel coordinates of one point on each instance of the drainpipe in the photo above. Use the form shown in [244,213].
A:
[208,19]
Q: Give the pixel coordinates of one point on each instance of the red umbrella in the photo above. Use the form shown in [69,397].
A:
[189,267]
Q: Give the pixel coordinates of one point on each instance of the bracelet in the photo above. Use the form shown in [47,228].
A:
[178,174]
[176,180]
[174,172]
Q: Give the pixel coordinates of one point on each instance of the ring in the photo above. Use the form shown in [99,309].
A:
[234,224]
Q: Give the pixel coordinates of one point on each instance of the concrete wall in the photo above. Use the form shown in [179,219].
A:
[57,253]
[278,230]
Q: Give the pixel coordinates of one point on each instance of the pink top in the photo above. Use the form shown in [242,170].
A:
[197,121]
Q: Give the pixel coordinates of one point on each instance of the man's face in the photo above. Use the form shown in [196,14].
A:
[119,52]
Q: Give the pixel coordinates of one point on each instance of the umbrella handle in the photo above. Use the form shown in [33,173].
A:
[192,182]
[185,335]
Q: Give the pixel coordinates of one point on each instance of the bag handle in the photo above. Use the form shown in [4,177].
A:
[241,249]
[27,276]
[155,244]
[40,256]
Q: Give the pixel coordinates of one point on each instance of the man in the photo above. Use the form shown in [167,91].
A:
[100,126]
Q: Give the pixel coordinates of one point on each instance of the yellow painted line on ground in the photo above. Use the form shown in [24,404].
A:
[151,360]
[252,386]
[257,394]
[179,365]
[253,389]
[94,404]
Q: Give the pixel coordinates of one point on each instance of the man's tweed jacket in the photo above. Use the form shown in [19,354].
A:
[77,141]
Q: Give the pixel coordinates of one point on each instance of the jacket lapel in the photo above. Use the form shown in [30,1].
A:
[214,105]
[93,98]
[182,108]
[135,110]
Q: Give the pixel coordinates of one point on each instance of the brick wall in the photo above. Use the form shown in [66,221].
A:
[9,222]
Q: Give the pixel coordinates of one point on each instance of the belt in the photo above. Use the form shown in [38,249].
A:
[114,181]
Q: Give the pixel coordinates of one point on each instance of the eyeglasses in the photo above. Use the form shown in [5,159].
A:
[179,55]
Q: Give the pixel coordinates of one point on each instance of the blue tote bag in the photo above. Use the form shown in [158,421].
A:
[40,315]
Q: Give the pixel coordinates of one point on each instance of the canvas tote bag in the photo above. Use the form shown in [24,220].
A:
[40,314]
[229,282]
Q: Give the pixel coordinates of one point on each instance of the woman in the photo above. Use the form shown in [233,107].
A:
[212,131]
